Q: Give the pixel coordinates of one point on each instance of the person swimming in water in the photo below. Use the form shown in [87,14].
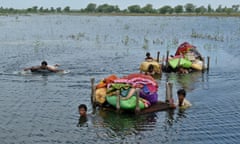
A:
[148,57]
[44,66]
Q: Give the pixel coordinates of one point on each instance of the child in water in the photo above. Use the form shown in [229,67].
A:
[182,101]
[82,109]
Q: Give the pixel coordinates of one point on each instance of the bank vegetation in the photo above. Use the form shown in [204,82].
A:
[188,9]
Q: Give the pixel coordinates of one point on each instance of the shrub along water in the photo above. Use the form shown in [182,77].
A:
[105,9]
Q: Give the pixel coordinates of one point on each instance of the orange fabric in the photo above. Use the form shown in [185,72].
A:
[106,81]
[101,85]
[110,79]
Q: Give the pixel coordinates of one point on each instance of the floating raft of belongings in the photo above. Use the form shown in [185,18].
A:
[128,94]
[187,57]
[145,65]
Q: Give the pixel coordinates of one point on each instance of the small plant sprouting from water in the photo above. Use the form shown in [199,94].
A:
[145,44]
[126,26]
[175,41]
[172,44]
[37,44]
[97,39]
[78,36]
[126,40]
[17,19]
[215,37]
[210,47]
[105,37]
[158,41]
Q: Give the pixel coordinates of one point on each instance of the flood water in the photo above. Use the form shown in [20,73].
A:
[40,109]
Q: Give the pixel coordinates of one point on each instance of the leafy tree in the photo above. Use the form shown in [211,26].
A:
[166,9]
[228,10]
[12,10]
[46,10]
[66,9]
[41,9]
[29,9]
[59,9]
[201,10]
[105,8]
[52,9]
[219,9]
[91,7]
[235,8]
[209,10]
[147,9]
[116,8]
[189,7]
[34,9]
[178,9]
[134,9]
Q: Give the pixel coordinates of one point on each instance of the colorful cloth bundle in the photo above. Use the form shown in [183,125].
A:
[126,88]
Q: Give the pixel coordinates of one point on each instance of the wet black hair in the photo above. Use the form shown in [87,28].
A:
[44,63]
[82,106]
[148,54]
[181,92]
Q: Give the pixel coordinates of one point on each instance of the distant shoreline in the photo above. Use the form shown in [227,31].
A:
[127,14]
[92,9]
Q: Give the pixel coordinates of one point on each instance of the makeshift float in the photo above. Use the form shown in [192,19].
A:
[46,71]
[186,57]
[155,63]
[134,93]
[41,71]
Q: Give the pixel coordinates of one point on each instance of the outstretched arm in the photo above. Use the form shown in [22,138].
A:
[53,69]
[32,68]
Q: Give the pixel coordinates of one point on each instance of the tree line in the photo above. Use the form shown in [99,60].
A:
[188,8]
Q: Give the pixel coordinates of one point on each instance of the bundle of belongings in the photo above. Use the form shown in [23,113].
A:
[186,57]
[108,90]
[145,65]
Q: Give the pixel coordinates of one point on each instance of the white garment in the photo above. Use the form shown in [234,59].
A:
[185,103]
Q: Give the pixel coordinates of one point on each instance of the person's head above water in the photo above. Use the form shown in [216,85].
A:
[148,54]
[181,92]
[181,96]
[82,108]
[44,63]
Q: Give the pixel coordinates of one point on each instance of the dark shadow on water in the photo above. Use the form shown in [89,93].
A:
[82,122]
[157,76]
[174,116]
[125,124]
[205,80]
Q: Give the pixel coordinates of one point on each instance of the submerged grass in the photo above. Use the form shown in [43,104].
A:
[216,37]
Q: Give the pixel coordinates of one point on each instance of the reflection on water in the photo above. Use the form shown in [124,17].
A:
[128,123]
[41,109]
[185,81]
[82,122]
